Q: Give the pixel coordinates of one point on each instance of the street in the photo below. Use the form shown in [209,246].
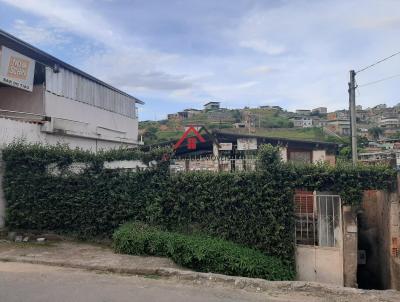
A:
[22,282]
[37,283]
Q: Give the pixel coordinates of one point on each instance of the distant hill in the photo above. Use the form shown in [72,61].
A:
[268,122]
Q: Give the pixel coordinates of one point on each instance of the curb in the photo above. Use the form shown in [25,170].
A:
[204,278]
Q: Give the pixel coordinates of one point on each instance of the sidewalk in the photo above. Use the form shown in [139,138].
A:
[102,258]
[82,255]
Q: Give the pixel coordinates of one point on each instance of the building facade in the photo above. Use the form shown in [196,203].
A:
[61,104]
[302,122]
[212,106]
[340,127]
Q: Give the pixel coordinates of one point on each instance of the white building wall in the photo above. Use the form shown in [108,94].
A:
[11,130]
[319,156]
[14,99]
[75,87]
[86,120]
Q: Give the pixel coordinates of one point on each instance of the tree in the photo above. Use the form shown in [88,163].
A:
[375,132]
[150,134]
[345,153]
[237,115]
[362,141]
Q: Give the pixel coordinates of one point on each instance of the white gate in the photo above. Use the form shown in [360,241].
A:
[318,228]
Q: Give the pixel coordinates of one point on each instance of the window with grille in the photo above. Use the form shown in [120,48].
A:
[317,219]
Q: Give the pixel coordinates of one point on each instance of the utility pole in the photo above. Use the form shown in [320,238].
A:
[352,107]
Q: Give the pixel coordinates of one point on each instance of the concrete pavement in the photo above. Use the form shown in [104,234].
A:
[22,282]
[86,269]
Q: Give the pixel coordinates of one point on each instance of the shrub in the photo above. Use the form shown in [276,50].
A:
[200,253]
[253,209]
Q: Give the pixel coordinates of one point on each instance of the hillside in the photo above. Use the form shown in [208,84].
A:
[264,122]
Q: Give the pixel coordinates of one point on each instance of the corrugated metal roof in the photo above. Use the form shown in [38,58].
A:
[31,51]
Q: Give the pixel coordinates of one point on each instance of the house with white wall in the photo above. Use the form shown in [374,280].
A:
[43,99]
[302,122]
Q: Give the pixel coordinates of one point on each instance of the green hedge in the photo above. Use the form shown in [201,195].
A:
[201,253]
[254,209]
[345,179]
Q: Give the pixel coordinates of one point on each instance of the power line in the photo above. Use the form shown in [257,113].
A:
[380,61]
[378,81]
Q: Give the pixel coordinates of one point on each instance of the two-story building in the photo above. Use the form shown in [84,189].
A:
[212,106]
[43,99]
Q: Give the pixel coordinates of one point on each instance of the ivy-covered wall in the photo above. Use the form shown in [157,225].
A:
[254,209]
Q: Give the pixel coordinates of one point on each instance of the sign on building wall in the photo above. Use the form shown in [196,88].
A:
[16,70]
[247,143]
[225,146]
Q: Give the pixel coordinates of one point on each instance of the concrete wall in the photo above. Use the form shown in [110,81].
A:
[319,264]
[374,237]
[13,129]
[395,238]
[81,118]
[14,99]
[318,156]
[350,246]
[2,198]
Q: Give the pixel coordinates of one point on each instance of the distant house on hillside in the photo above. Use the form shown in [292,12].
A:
[192,112]
[279,108]
[320,110]
[303,111]
[172,116]
[389,122]
[339,115]
[302,122]
[340,127]
[212,106]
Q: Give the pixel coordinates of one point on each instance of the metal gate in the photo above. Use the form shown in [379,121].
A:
[318,233]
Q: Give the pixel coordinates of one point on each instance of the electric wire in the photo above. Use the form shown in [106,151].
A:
[376,63]
[380,80]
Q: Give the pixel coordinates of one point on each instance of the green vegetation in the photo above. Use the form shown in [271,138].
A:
[253,209]
[201,253]
[375,132]
[270,118]
[312,134]
[344,179]
[266,122]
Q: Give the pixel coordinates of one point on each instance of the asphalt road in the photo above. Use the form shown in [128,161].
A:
[37,283]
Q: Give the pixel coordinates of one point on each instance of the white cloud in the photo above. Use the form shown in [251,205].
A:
[295,53]
[123,63]
[259,70]
[263,46]
[69,15]
[39,34]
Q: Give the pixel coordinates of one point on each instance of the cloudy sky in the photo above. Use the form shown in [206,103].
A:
[175,54]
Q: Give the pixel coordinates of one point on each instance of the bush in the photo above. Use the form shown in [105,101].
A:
[200,253]
[253,209]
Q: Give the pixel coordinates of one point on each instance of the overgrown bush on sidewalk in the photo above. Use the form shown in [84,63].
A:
[201,253]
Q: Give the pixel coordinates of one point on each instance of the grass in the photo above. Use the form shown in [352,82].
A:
[312,134]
